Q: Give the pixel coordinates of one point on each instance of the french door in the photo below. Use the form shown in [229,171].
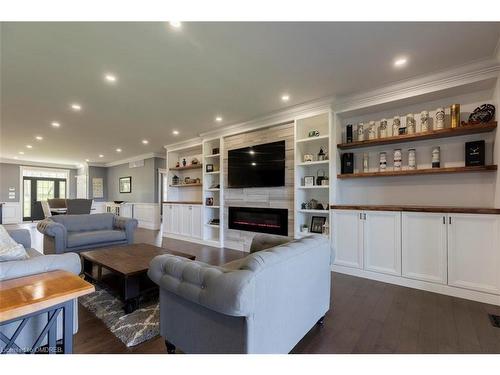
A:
[37,189]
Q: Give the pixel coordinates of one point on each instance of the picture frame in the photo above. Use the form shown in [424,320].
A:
[209,168]
[125,184]
[308,181]
[209,201]
[317,223]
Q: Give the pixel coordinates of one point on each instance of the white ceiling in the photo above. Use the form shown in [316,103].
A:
[181,79]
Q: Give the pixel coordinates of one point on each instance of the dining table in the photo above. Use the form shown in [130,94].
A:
[59,211]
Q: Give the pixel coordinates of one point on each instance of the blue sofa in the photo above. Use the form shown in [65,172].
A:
[74,233]
[263,303]
[36,263]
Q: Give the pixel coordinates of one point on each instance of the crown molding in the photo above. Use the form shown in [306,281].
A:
[460,76]
[134,158]
[38,164]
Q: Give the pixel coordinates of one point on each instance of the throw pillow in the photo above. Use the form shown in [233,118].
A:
[10,249]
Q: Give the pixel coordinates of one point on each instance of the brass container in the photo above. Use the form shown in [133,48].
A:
[455,115]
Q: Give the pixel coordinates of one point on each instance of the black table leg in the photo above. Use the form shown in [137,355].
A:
[131,293]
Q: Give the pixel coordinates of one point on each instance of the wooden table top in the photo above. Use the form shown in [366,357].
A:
[129,259]
[29,294]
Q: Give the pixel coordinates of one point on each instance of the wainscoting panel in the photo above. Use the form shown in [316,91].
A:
[273,197]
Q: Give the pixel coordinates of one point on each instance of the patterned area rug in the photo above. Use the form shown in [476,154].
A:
[132,329]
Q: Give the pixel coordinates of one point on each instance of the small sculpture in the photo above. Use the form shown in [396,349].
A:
[184,162]
[482,114]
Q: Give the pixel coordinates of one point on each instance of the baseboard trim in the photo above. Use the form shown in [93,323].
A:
[492,299]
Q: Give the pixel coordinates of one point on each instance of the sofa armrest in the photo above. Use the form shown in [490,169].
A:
[57,231]
[66,262]
[21,236]
[126,224]
[227,292]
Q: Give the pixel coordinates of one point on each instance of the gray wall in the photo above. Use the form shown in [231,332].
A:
[9,177]
[144,181]
[98,172]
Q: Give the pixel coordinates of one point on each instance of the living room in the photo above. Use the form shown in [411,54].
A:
[250,188]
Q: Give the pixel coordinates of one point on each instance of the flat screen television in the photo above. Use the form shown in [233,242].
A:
[257,166]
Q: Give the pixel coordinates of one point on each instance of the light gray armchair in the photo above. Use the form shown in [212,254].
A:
[263,303]
[65,233]
[36,263]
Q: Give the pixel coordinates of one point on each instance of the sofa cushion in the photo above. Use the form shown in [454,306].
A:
[266,241]
[81,223]
[76,239]
[10,249]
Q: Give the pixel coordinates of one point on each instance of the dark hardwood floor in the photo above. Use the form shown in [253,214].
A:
[366,316]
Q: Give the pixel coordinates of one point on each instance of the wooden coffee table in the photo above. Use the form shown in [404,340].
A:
[125,268]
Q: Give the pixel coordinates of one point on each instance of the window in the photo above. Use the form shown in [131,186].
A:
[27,198]
[62,189]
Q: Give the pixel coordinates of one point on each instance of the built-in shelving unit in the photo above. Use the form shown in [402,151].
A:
[316,166]
[185,191]
[213,190]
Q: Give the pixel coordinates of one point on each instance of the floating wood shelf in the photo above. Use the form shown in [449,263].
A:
[313,139]
[187,167]
[433,134]
[312,211]
[185,185]
[485,168]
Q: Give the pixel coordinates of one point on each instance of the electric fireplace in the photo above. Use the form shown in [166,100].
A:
[264,220]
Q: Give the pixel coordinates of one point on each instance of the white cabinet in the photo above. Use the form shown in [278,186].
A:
[474,252]
[382,241]
[424,246]
[348,238]
[184,220]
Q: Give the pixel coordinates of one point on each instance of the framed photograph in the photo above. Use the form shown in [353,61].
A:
[317,223]
[125,184]
[209,201]
[308,181]
[209,168]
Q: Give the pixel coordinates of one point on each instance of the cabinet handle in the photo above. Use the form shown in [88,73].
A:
[449,220]
[444,220]
[360,216]
[364,216]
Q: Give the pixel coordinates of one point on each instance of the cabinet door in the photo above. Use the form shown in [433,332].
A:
[186,225]
[424,246]
[176,218]
[474,252]
[167,218]
[196,222]
[348,238]
[382,241]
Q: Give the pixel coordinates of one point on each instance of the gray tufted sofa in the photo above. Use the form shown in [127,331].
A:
[263,303]
[36,263]
[74,233]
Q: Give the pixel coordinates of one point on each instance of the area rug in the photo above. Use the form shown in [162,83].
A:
[132,329]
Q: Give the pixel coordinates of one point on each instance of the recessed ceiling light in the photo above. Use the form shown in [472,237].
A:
[218,119]
[285,97]
[76,107]
[251,152]
[145,141]
[21,152]
[254,164]
[87,160]
[111,78]
[400,62]
[175,24]
[39,138]
[175,132]
[118,150]
[101,155]
[15,157]
[29,146]
[55,124]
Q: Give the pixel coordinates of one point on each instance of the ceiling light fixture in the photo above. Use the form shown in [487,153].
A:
[118,150]
[145,141]
[175,132]
[400,62]
[29,146]
[175,24]
[101,155]
[39,138]
[87,160]
[15,157]
[111,78]
[218,119]
[55,124]
[76,107]
[254,164]
[285,97]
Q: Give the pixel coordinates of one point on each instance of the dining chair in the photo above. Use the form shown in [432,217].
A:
[78,206]
[46,209]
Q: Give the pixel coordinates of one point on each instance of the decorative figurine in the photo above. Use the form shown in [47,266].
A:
[177,165]
[439,119]
[410,123]
[424,122]
[412,159]
[383,162]
[184,162]
[313,133]
[482,114]
[383,128]
[436,157]
[194,161]
[396,124]
[397,159]
[175,180]
[308,158]
[372,130]
[321,154]
[361,132]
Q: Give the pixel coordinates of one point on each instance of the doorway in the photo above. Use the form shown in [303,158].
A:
[38,189]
